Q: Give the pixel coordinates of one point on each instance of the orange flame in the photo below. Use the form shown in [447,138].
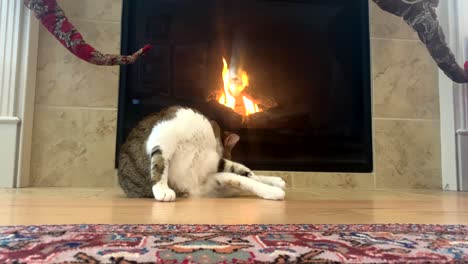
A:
[233,88]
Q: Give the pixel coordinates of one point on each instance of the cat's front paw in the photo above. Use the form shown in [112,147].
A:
[163,193]
[273,193]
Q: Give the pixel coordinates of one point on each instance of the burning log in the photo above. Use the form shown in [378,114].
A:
[232,94]
[263,101]
[214,95]
[278,117]
[225,116]
[236,94]
[292,116]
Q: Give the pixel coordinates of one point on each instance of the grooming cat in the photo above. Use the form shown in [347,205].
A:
[179,152]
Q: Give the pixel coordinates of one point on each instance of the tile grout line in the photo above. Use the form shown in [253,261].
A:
[397,39]
[76,19]
[404,119]
[77,107]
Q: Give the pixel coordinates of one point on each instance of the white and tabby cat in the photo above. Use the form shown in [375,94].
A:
[184,155]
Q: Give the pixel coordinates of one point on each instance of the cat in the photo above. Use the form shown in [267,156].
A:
[178,152]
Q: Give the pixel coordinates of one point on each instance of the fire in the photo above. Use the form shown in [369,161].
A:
[232,92]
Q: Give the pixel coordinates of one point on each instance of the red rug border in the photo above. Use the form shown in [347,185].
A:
[253,228]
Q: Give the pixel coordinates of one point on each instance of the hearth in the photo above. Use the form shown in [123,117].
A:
[291,77]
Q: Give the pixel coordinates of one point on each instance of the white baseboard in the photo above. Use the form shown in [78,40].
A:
[463,159]
[9,127]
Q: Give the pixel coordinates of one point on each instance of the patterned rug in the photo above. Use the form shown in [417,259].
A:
[234,244]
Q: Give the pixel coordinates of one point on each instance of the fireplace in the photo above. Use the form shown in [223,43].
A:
[291,77]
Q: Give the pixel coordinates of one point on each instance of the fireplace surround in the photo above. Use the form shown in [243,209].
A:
[302,67]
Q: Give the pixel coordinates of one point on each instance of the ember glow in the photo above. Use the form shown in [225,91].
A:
[232,95]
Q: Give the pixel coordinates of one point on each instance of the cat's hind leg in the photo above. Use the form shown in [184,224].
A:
[159,176]
[225,165]
[237,168]
[273,181]
[227,180]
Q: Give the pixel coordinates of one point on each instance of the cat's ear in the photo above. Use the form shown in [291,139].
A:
[231,140]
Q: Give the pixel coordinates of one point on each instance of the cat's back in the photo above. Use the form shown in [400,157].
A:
[187,126]
[134,162]
[143,129]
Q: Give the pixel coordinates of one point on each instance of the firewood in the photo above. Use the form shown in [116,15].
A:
[263,101]
[280,117]
[225,116]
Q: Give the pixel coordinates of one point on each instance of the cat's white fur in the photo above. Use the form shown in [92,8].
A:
[192,154]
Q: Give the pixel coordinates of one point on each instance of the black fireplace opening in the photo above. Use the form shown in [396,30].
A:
[291,77]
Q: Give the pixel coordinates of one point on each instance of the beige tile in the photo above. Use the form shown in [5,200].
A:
[105,10]
[64,80]
[404,80]
[73,147]
[311,180]
[334,180]
[407,154]
[426,179]
[386,25]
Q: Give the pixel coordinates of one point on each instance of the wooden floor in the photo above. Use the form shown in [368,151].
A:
[109,206]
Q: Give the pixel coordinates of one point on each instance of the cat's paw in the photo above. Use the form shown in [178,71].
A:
[277,181]
[273,193]
[272,181]
[163,193]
